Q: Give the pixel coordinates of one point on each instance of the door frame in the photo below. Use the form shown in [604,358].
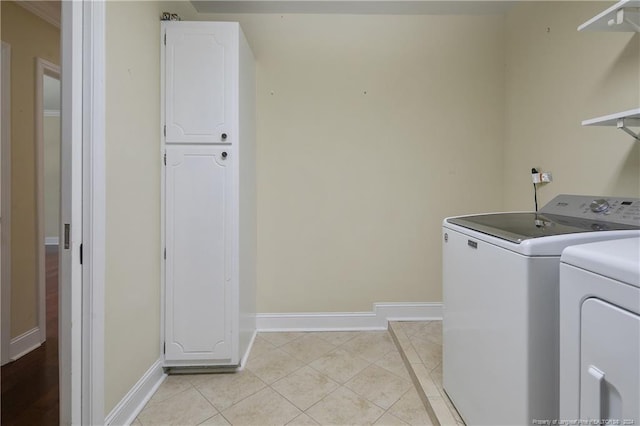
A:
[81,348]
[94,211]
[82,208]
[5,202]
[43,67]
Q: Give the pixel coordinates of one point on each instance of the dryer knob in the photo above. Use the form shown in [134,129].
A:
[599,206]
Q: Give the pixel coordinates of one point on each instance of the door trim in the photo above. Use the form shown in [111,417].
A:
[94,212]
[70,280]
[5,201]
[43,67]
[82,206]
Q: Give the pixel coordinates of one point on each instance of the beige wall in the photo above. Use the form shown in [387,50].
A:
[371,129]
[29,37]
[556,79]
[51,140]
[353,186]
[132,287]
[350,184]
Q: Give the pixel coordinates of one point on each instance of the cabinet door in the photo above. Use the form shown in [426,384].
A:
[199,82]
[198,293]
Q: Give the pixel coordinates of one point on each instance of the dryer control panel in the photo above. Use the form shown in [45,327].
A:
[603,209]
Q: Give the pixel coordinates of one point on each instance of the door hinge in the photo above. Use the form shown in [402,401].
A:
[164,347]
[165,130]
[81,253]
[165,158]
[165,253]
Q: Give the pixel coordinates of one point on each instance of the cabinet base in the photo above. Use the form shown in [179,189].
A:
[202,369]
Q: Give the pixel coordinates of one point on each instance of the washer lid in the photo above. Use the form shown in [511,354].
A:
[517,227]
[616,259]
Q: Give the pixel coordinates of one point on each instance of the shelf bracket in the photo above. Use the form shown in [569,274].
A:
[620,124]
[622,17]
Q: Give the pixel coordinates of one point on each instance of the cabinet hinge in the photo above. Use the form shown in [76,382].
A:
[81,253]
[165,130]
[165,158]
[165,39]
[165,253]
[164,347]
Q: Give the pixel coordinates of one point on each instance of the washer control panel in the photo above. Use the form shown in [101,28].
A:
[598,208]
[600,205]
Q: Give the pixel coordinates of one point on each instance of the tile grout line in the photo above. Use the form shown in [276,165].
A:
[414,378]
[390,346]
[340,385]
[308,364]
[219,412]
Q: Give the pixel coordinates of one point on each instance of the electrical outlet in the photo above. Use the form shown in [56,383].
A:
[540,177]
[535,176]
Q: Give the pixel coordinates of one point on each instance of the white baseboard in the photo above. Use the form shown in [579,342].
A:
[337,321]
[51,241]
[245,357]
[24,343]
[126,411]
[134,401]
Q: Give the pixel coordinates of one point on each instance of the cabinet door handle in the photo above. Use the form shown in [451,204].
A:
[223,136]
[224,155]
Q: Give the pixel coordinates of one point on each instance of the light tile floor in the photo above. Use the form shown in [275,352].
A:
[326,378]
[420,344]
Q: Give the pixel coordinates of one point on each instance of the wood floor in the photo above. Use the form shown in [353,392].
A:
[30,384]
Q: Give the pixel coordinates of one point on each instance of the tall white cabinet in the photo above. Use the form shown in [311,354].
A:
[209,194]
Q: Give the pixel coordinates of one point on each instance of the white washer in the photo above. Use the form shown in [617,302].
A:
[600,333]
[500,310]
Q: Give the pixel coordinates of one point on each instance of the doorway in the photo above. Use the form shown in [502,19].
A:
[81,287]
[47,126]
[29,342]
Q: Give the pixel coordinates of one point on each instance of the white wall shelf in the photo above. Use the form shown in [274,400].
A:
[623,16]
[621,120]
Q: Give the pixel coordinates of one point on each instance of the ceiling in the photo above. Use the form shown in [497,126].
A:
[390,7]
[49,10]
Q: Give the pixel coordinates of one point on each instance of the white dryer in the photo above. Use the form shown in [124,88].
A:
[500,303]
[600,333]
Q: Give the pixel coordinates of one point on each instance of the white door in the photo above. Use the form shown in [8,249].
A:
[74,361]
[198,293]
[199,81]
